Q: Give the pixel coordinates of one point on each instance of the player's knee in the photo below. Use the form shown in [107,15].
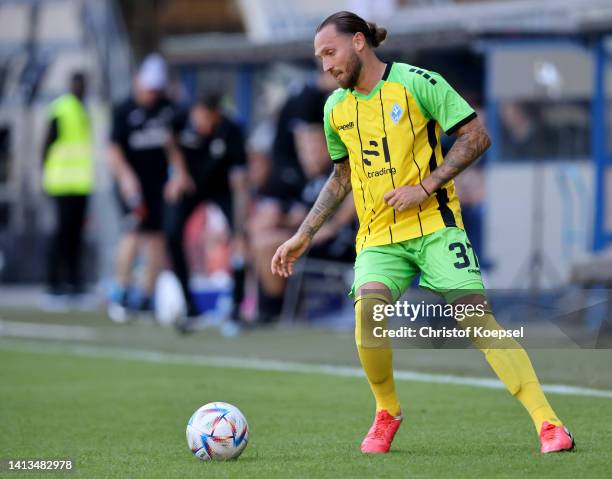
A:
[371,321]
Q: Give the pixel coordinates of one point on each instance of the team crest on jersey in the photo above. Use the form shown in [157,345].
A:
[396,113]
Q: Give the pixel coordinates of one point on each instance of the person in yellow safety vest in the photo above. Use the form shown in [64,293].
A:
[68,180]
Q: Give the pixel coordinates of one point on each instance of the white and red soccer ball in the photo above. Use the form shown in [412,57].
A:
[217,431]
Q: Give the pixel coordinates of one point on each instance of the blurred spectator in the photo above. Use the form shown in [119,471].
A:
[287,178]
[259,159]
[68,179]
[140,130]
[213,148]
[522,134]
[544,129]
[300,167]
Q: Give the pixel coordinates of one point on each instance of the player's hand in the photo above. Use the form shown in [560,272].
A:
[405,197]
[129,186]
[288,253]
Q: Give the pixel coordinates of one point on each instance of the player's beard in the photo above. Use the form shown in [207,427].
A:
[352,71]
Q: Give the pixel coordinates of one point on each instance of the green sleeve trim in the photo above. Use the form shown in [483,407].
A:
[336,148]
[436,99]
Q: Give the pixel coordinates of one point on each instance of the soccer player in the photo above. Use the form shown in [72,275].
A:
[383,134]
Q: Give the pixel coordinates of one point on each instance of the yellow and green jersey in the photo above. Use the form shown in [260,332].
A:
[391,136]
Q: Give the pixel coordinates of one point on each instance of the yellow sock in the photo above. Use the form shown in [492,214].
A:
[513,367]
[375,354]
[532,397]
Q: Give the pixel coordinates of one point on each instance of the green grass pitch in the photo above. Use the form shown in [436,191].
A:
[127,418]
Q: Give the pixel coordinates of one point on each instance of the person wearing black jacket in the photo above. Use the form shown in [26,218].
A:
[139,164]
[213,148]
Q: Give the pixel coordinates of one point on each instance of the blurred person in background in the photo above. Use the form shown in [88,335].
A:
[259,160]
[304,106]
[523,134]
[334,241]
[139,164]
[279,208]
[68,180]
[213,148]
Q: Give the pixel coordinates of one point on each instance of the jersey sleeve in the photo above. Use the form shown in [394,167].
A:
[335,146]
[439,101]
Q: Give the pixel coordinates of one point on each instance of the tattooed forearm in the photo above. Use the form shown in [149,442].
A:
[472,141]
[331,196]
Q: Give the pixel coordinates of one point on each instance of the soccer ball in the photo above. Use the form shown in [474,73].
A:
[217,431]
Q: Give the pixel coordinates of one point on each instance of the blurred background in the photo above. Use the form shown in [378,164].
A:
[537,207]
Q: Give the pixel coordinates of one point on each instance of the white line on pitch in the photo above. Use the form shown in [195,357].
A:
[273,365]
[22,329]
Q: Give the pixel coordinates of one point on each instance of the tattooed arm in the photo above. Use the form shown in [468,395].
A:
[337,186]
[472,141]
[331,196]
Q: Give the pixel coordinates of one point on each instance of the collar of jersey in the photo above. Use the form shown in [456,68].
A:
[378,86]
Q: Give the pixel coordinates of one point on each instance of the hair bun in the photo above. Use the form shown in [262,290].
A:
[377,34]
